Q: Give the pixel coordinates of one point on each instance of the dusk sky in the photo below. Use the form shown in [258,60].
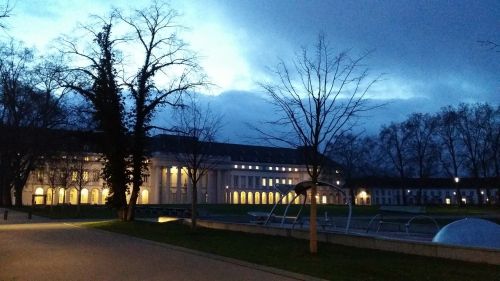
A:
[428,50]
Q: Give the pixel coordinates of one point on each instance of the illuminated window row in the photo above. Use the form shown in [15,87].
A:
[282,169]
[249,167]
[270,168]
[272,181]
[89,195]
[243,197]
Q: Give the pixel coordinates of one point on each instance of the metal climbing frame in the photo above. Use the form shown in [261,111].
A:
[301,189]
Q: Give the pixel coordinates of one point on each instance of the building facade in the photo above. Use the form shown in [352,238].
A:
[436,191]
[242,174]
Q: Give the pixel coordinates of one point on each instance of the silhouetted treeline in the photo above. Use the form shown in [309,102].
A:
[462,141]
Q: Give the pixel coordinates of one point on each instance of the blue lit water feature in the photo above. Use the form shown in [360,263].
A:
[470,232]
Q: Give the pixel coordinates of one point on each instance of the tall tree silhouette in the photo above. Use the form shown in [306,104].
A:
[167,71]
[317,97]
[97,82]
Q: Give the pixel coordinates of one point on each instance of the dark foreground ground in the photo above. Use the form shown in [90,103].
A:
[39,250]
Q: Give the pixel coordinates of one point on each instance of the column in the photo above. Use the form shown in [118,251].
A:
[179,185]
[189,190]
[219,188]
[166,175]
[157,183]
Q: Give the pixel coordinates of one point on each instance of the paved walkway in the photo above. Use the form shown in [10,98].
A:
[38,250]
[15,217]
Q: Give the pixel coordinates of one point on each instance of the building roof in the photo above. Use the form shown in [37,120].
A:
[88,141]
[429,183]
[237,152]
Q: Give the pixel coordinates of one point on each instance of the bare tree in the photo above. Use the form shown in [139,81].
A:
[79,176]
[489,122]
[394,142]
[27,109]
[348,151]
[422,147]
[449,135]
[317,98]
[164,70]
[5,12]
[198,126]
[168,70]
[473,137]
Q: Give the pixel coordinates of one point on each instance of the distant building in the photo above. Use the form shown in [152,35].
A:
[434,191]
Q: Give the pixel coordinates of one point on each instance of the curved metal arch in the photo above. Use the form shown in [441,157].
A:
[301,189]
[407,225]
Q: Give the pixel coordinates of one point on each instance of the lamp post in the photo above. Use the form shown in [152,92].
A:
[458,196]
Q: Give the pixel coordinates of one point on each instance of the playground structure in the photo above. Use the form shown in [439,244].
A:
[375,223]
[301,189]
[379,220]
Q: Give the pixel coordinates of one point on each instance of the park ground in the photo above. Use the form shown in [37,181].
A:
[333,262]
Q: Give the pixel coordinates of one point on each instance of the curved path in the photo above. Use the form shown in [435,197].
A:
[62,251]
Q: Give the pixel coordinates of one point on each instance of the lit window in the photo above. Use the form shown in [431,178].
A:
[270,168]
[74,175]
[336,171]
[296,170]
[243,166]
[264,182]
[289,181]
[270,182]
[86,159]
[289,169]
[85,175]
[283,181]
[276,168]
[236,166]
[448,201]
[250,167]
[283,169]
[257,167]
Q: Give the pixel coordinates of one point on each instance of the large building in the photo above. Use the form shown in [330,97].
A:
[241,174]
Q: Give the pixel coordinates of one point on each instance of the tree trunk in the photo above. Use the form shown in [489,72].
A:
[352,196]
[313,230]
[5,196]
[459,197]
[78,202]
[122,213]
[132,203]
[19,196]
[194,203]
[478,189]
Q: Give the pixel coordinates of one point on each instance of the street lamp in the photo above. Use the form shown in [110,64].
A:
[457,192]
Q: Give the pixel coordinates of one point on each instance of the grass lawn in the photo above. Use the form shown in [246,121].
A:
[337,210]
[333,262]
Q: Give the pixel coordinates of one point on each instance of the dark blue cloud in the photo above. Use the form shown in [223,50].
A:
[429,51]
[417,42]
